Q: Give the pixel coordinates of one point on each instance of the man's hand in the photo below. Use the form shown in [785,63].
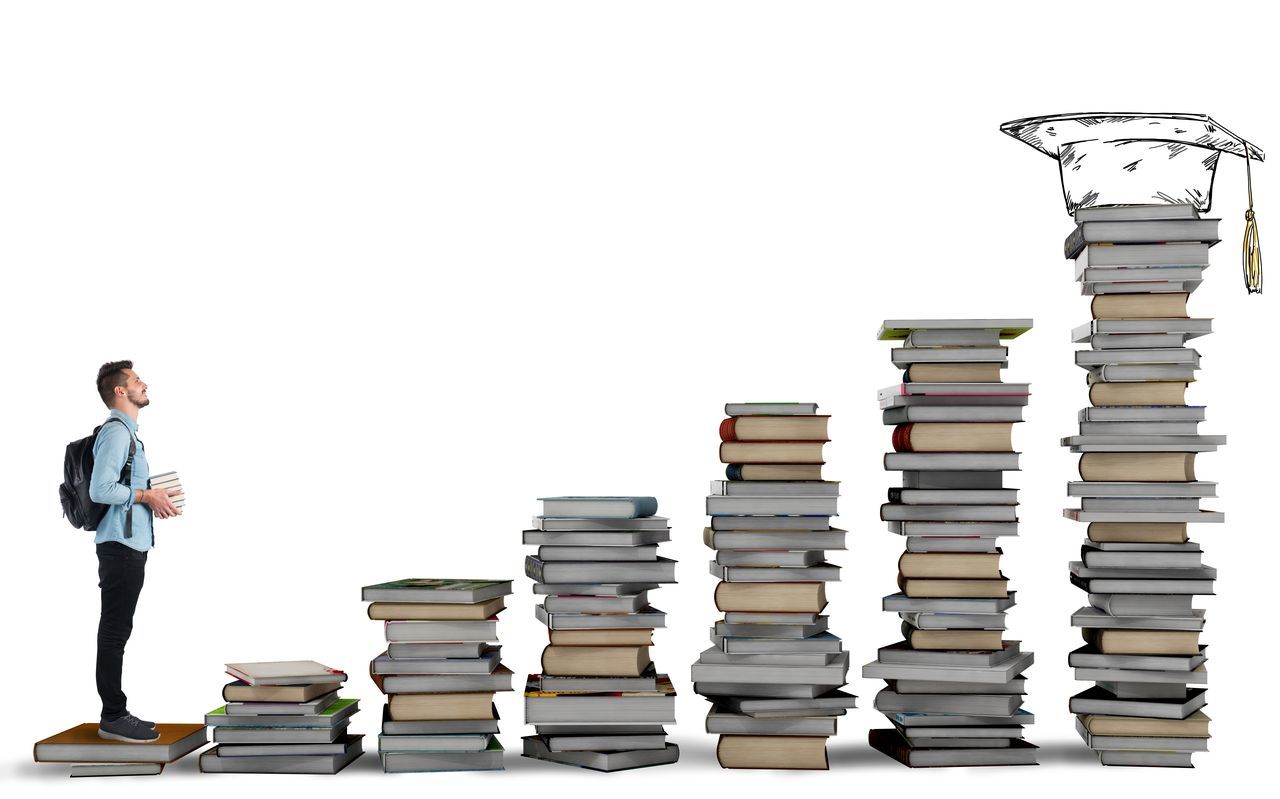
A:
[158,500]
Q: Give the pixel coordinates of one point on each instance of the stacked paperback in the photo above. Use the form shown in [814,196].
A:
[440,672]
[774,672]
[955,686]
[599,702]
[89,755]
[1138,489]
[282,717]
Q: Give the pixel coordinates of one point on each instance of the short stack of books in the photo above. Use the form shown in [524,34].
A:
[955,685]
[440,672]
[599,702]
[774,673]
[168,481]
[282,717]
[1138,490]
[88,755]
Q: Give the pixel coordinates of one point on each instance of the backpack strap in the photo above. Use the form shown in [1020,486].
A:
[126,477]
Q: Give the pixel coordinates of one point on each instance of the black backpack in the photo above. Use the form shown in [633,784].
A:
[77,471]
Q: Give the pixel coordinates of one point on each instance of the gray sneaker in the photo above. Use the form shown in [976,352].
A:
[127,728]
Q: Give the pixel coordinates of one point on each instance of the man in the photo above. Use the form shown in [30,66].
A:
[123,539]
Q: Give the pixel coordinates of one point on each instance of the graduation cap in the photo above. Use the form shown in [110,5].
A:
[1143,159]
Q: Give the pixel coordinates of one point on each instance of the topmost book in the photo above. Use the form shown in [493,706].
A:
[899,329]
[454,592]
[1132,213]
[599,507]
[770,408]
[285,672]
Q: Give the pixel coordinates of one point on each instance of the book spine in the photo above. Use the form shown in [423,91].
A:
[733,471]
[902,438]
[727,429]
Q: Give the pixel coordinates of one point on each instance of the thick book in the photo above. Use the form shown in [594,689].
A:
[536,747]
[212,761]
[662,570]
[333,715]
[81,744]
[770,408]
[622,707]
[772,752]
[499,680]
[409,762]
[1139,231]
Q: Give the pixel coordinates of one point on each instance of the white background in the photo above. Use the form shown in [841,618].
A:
[394,270]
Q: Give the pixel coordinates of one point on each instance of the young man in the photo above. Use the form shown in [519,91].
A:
[123,539]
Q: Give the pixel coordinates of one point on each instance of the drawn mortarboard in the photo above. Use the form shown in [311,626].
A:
[1142,159]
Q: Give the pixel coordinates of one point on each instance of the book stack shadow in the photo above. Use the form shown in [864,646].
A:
[774,671]
[1138,491]
[599,702]
[282,717]
[955,684]
[440,672]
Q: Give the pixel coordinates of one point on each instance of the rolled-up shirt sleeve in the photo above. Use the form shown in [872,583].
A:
[110,452]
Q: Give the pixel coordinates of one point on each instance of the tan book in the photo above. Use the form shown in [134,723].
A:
[1150,467]
[1194,726]
[622,637]
[434,611]
[440,707]
[954,437]
[780,471]
[241,692]
[1140,306]
[955,639]
[1171,393]
[1138,532]
[771,597]
[81,744]
[772,751]
[809,452]
[961,565]
[932,588]
[953,373]
[774,428]
[1144,642]
[595,661]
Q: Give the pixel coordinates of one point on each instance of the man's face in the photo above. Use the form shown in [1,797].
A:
[135,390]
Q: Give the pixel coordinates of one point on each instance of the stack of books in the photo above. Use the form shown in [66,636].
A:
[440,672]
[282,717]
[1138,490]
[89,755]
[955,685]
[774,672]
[599,702]
[168,481]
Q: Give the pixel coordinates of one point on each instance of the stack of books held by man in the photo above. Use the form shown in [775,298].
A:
[440,672]
[955,685]
[88,755]
[282,717]
[599,702]
[1138,490]
[774,671]
[168,481]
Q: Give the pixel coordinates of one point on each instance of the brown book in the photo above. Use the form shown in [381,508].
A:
[959,565]
[1170,393]
[990,640]
[81,744]
[641,636]
[1194,726]
[954,437]
[772,751]
[774,428]
[929,588]
[780,471]
[242,692]
[440,707]
[771,452]
[434,611]
[1138,532]
[595,661]
[1152,467]
[772,597]
[1140,306]
[953,373]
[1144,642]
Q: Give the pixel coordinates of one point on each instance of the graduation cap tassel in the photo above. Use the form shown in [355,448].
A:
[1251,257]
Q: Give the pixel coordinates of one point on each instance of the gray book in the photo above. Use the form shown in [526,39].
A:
[596,538]
[559,525]
[763,690]
[776,488]
[724,722]
[954,496]
[591,589]
[830,700]
[627,603]
[822,572]
[281,708]
[967,704]
[938,543]
[489,759]
[537,749]
[610,554]
[441,631]
[1140,231]
[950,391]
[647,682]
[416,650]
[1142,605]
[1194,517]
[888,401]
[902,653]
[336,747]
[1096,701]
[1132,689]
[456,742]
[754,523]
[212,762]
[964,413]
[1120,213]
[605,743]
[1141,373]
[995,732]
[931,722]
[951,461]
[1079,569]
[1199,676]
[902,603]
[1139,428]
[788,558]
[1141,504]
[335,714]
[116,769]
[1142,413]
[717,655]
[898,329]
[1018,685]
[443,727]
[831,674]
[466,592]
[385,664]
[1091,617]
[771,506]
[958,337]
[770,408]
[954,621]
[765,617]
[279,735]
[646,617]
[1138,356]
[624,708]
[1120,341]
[891,742]
[1162,759]
[1140,743]
[1188,328]
[1089,658]
[1147,559]
[746,539]
[1000,673]
[903,357]
[499,680]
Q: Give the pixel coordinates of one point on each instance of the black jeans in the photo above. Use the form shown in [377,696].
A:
[120,573]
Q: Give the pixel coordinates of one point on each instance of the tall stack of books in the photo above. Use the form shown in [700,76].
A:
[440,671]
[774,673]
[1138,489]
[599,703]
[282,717]
[955,686]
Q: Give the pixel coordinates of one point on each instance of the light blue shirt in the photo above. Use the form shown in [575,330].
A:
[110,451]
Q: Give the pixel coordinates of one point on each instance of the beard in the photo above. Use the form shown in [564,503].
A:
[139,399]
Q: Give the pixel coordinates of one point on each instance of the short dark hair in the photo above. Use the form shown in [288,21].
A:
[111,375]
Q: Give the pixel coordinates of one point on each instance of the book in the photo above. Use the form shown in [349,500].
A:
[81,744]
[599,507]
[285,672]
[434,590]
[774,428]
